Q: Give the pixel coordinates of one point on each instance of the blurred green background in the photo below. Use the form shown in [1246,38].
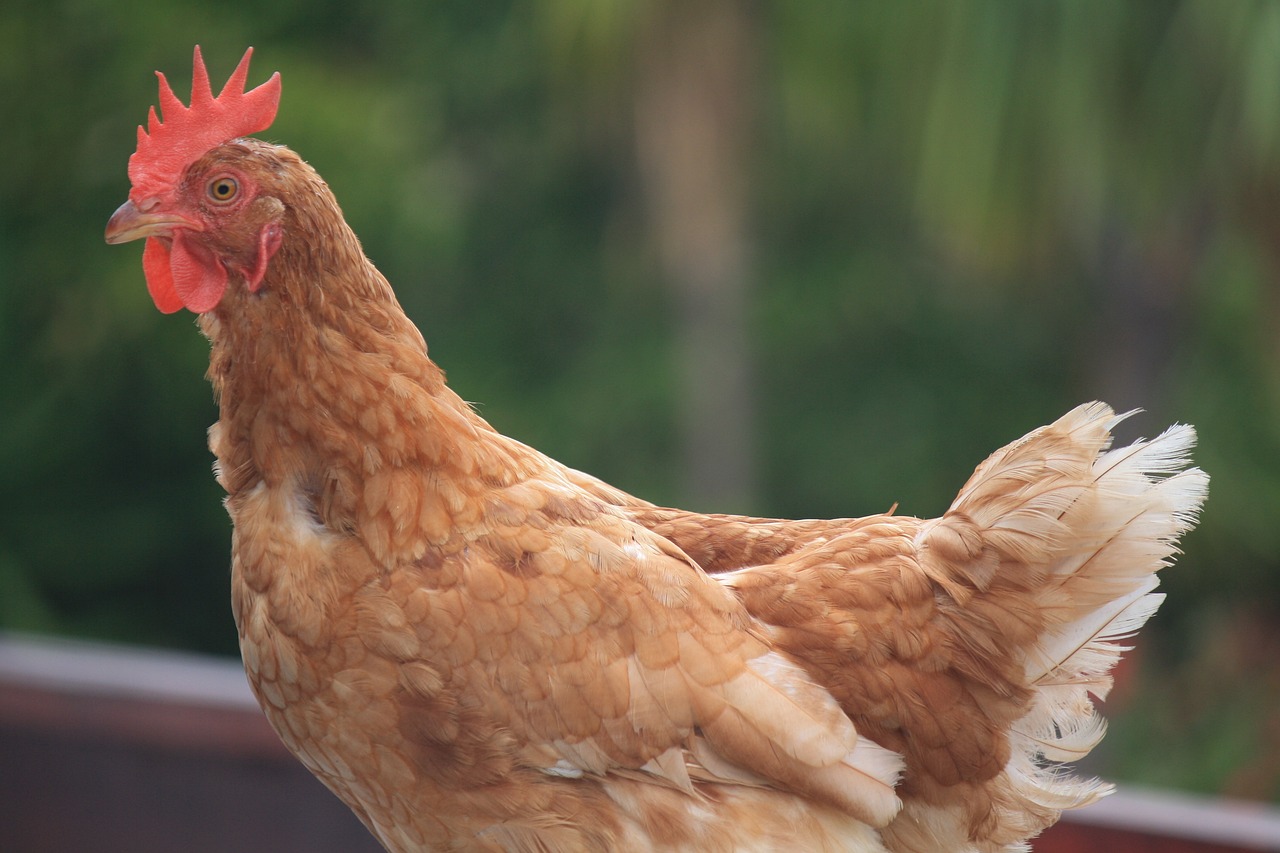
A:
[790,258]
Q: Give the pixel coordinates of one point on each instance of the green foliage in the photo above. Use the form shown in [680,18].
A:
[966,217]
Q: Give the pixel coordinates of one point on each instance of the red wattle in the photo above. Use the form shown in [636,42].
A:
[199,279]
[159,275]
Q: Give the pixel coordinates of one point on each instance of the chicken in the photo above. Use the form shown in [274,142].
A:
[478,648]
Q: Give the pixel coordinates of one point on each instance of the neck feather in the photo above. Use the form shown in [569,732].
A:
[325,386]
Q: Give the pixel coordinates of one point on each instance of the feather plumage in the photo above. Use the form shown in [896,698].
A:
[478,648]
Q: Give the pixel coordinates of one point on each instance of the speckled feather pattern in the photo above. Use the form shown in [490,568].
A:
[477,648]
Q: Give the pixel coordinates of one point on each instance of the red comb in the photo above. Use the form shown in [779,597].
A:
[166,149]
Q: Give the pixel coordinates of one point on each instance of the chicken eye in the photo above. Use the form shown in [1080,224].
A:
[223,189]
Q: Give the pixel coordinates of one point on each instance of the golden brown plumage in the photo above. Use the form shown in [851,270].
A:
[477,648]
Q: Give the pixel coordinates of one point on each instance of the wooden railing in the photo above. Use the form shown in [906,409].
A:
[111,749]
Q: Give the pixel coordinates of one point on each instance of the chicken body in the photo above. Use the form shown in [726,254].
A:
[477,648]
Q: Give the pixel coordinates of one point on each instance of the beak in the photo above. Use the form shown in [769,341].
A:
[130,223]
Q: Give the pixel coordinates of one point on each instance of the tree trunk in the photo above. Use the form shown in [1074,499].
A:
[693,128]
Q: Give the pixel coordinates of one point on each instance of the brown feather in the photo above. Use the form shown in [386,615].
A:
[478,648]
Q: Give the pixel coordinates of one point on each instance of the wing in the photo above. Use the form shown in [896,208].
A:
[603,649]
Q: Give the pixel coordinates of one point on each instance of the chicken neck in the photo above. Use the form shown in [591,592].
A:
[325,388]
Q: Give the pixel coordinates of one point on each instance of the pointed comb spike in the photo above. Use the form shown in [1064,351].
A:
[201,91]
[238,77]
[169,102]
[167,147]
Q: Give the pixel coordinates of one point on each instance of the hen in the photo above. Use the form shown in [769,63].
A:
[478,648]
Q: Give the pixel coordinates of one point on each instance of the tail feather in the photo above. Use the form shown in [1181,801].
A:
[983,672]
[1142,502]
[1074,532]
